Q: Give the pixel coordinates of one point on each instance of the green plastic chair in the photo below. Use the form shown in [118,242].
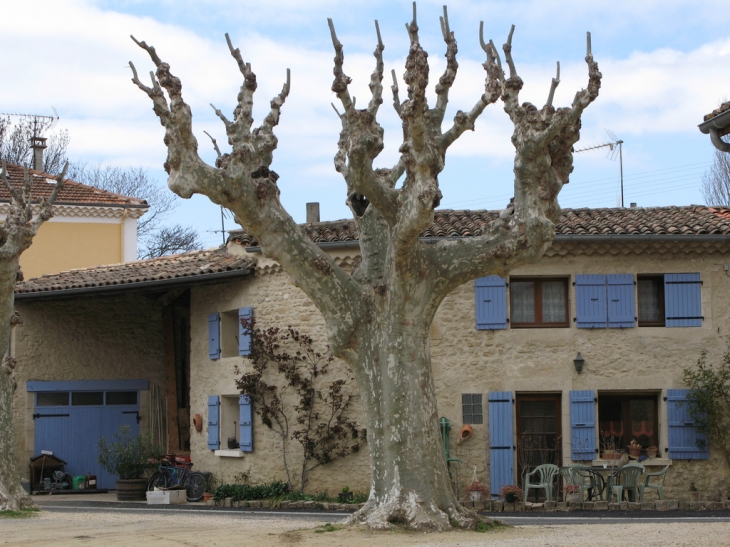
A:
[626,480]
[658,486]
[541,478]
[577,478]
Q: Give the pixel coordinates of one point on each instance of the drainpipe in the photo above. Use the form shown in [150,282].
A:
[445,429]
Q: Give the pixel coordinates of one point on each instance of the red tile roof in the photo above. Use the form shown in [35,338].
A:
[185,266]
[72,193]
[719,110]
[689,220]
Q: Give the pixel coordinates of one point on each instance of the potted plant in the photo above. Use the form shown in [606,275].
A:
[634,449]
[477,490]
[345,496]
[129,457]
[572,492]
[651,452]
[511,493]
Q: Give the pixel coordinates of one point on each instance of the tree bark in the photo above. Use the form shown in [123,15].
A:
[378,318]
[16,235]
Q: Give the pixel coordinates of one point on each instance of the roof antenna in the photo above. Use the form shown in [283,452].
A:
[614,145]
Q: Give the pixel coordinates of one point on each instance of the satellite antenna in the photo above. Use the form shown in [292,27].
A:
[35,119]
[614,145]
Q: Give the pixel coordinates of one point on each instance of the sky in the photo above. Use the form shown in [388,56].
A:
[665,64]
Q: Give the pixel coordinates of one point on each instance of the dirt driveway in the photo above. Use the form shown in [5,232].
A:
[111,529]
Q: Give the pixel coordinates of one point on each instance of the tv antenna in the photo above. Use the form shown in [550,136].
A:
[36,120]
[222,231]
[615,145]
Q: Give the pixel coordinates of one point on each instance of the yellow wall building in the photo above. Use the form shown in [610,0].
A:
[90,227]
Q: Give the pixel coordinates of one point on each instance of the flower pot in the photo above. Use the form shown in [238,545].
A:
[345,496]
[694,495]
[573,497]
[207,496]
[510,498]
[651,452]
[611,455]
[634,451]
[131,489]
[475,495]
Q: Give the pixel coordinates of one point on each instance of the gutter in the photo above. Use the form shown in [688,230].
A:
[717,126]
[139,286]
[590,238]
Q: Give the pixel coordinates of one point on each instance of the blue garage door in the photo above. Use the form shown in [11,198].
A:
[71,417]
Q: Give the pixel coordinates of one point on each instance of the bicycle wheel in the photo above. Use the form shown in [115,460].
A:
[159,480]
[195,487]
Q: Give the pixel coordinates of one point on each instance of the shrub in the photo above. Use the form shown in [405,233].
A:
[128,456]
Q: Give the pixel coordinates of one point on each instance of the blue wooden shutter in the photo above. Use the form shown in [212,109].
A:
[491,302]
[590,301]
[582,425]
[621,301]
[682,300]
[501,449]
[246,423]
[244,335]
[214,335]
[685,441]
[214,419]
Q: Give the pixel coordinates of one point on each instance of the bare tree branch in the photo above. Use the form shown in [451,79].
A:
[246,186]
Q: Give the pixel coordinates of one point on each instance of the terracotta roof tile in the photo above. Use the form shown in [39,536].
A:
[191,264]
[719,110]
[689,220]
[72,193]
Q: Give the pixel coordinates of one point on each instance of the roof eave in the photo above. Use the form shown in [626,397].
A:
[720,121]
[137,286]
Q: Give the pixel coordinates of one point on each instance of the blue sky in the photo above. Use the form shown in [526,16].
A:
[665,64]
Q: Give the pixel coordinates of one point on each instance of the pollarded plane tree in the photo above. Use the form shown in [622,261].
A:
[378,317]
[16,235]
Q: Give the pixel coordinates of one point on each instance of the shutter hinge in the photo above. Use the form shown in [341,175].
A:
[574,283]
[596,451]
[595,399]
[665,399]
[666,449]
[508,320]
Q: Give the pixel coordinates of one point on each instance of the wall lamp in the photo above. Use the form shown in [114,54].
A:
[579,362]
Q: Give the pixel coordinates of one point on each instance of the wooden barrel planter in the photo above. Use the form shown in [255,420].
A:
[131,489]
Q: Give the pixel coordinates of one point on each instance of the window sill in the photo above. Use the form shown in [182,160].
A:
[229,453]
[646,463]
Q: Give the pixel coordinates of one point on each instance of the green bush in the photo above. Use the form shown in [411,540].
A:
[277,490]
[128,456]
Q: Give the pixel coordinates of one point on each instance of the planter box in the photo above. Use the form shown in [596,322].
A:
[166,497]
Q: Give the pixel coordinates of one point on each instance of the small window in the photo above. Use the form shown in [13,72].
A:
[627,417]
[229,333]
[539,302]
[471,408]
[87,398]
[121,398]
[229,419]
[651,301]
[52,398]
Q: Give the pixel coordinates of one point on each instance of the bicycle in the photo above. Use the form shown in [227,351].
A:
[173,474]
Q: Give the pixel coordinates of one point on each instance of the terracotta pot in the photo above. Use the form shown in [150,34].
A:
[694,495]
[475,495]
[651,453]
[634,451]
[610,455]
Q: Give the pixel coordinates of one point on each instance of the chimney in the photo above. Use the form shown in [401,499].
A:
[38,144]
[312,212]
[633,205]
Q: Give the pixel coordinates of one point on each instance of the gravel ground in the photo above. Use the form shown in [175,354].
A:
[111,529]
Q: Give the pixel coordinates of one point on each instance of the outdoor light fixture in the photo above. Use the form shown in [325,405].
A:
[579,362]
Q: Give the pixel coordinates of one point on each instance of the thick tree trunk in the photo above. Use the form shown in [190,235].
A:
[410,482]
[12,495]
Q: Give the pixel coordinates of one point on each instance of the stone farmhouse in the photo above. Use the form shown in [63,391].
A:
[562,361]
[90,226]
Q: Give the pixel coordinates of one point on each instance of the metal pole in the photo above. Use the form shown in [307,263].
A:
[223,226]
[621,167]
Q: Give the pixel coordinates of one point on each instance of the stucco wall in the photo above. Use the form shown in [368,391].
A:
[61,246]
[469,361]
[93,338]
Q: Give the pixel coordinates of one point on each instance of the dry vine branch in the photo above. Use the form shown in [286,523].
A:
[378,318]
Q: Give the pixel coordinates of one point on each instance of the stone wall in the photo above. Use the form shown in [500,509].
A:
[466,360]
[91,338]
